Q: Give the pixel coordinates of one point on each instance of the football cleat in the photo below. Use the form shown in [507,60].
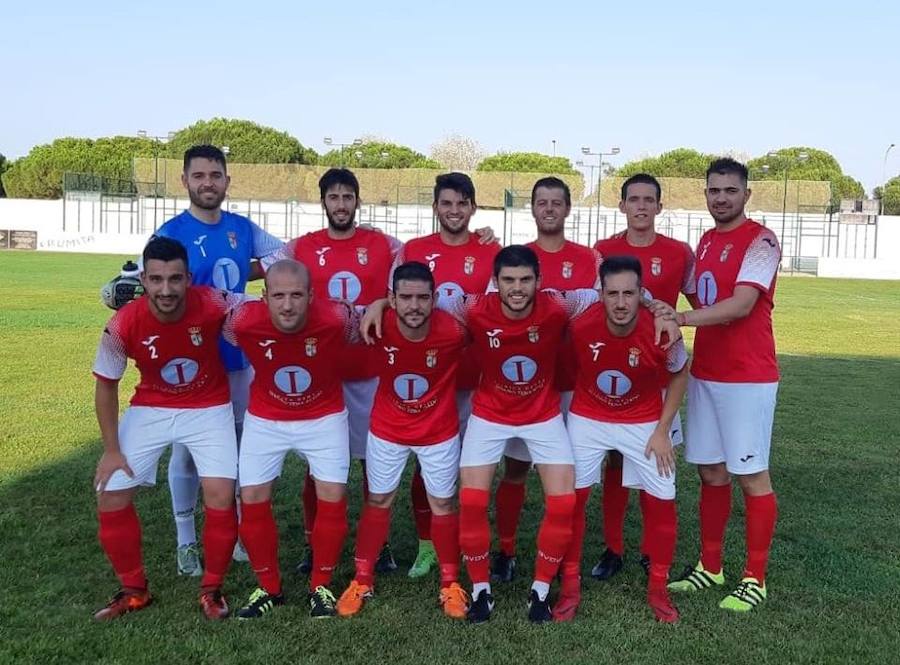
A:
[481,608]
[385,562]
[538,610]
[748,595]
[213,604]
[609,565]
[353,599]
[569,599]
[696,578]
[503,567]
[426,560]
[305,566]
[125,600]
[261,602]
[322,603]
[188,559]
[454,601]
[662,606]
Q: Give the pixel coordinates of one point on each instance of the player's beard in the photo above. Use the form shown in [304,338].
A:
[414,325]
[341,226]
[726,216]
[456,231]
[205,202]
[168,307]
[518,306]
[622,325]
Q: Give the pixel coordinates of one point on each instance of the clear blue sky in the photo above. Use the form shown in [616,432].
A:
[644,76]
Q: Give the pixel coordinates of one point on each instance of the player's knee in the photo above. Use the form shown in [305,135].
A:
[756,484]
[218,493]
[381,500]
[110,501]
[256,493]
[714,474]
[331,492]
[441,506]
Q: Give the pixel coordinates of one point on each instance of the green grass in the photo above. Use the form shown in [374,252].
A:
[834,580]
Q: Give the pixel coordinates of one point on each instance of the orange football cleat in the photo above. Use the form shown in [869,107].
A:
[353,599]
[213,604]
[125,600]
[454,601]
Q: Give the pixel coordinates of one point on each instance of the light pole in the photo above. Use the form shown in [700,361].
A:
[157,140]
[553,141]
[884,178]
[585,150]
[787,161]
[582,164]
[330,142]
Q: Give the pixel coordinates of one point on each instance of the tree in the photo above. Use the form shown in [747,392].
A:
[678,163]
[4,164]
[818,165]
[526,162]
[247,142]
[457,153]
[378,155]
[890,203]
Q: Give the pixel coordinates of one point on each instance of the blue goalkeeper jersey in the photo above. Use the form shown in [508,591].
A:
[219,255]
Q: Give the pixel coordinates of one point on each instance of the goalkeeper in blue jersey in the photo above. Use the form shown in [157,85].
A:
[226,251]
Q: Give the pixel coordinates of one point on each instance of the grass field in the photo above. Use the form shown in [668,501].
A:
[834,580]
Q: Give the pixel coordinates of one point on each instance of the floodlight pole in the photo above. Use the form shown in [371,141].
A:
[600,155]
[884,178]
[330,142]
[788,161]
[157,140]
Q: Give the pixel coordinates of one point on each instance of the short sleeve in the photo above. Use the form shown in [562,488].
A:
[760,261]
[265,246]
[575,302]
[676,357]
[111,359]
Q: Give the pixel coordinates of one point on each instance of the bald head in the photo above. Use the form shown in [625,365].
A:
[288,295]
[288,268]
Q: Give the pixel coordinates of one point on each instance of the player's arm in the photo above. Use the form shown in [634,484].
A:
[731,309]
[106,404]
[370,322]
[266,249]
[485,235]
[660,442]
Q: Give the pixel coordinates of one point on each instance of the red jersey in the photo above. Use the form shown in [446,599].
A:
[518,357]
[742,351]
[295,376]
[667,265]
[458,270]
[354,269]
[415,403]
[572,267]
[179,362]
[619,378]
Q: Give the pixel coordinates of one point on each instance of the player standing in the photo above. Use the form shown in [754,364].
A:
[461,263]
[733,384]
[618,406]
[414,412]
[564,265]
[182,398]
[667,269]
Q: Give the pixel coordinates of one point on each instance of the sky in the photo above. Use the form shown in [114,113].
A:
[645,77]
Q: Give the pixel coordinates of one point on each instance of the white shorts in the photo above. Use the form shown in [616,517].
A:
[464,409]
[730,423]
[239,384]
[592,439]
[359,396]
[385,462]
[546,442]
[677,431]
[516,448]
[146,431]
[322,442]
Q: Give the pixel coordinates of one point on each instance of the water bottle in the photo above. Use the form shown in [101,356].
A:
[131,269]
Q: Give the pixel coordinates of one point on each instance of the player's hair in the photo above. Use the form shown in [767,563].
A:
[413,271]
[642,179]
[334,177]
[613,265]
[457,182]
[516,256]
[726,166]
[165,249]
[204,151]
[552,182]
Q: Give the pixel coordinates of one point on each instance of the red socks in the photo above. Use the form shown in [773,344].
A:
[475,533]
[762,513]
[259,534]
[508,505]
[660,530]
[554,536]
[421,507]
[445,535]
[328,536]
[715,508]
[310,504]
[371,532]
[571,564]
[220,533]
[120,536]
[615,505]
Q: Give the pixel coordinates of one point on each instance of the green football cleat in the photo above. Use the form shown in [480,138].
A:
[746,597]
[426,559]
[322,603]
[697,579]
[261,602]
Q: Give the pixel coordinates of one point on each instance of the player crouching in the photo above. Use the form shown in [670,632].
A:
[182,397]
[414,412]
[618,405]
[296,404]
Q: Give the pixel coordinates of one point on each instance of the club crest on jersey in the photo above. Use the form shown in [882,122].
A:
[310,346]
[362,256]
[232,239]
[469,265]
[634,357]
[431,358]
[567,269]
[196,337]
[534,335]
[656,266]
[723,257]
